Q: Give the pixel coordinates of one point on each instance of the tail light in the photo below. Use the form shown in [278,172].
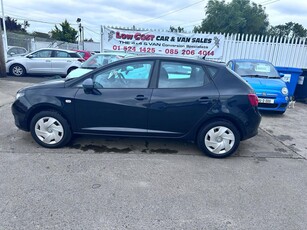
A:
[253,99]
[81,60]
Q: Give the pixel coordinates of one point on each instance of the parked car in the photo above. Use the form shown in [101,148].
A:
[95,61]
[211,105]
[14,51]
[44,61]
[84,54]
[265,80]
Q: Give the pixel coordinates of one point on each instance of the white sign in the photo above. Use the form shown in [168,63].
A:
[168,43]
[286,77]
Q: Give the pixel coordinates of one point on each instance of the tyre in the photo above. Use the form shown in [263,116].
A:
[18,70]
[49,129]
[218,139]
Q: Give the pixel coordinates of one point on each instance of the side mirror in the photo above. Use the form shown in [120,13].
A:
[88,84]
[281,75]
[89,88]
[30,56]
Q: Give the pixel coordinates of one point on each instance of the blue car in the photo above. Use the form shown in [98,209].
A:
[265,80]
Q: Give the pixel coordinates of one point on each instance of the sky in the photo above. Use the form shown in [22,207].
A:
[43,15]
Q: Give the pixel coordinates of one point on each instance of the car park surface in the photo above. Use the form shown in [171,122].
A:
[139,97]
[120,183]
[263,77]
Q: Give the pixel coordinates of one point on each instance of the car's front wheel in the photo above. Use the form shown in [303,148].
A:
[50,129]
[18,70]
[218,139]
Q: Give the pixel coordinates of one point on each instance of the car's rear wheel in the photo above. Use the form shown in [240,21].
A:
[49,129]
[218,139]
[18,70]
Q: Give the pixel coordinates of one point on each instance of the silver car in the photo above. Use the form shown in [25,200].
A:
[44,61]
[14,51]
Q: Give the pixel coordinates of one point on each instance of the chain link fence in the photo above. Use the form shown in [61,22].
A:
[32,43]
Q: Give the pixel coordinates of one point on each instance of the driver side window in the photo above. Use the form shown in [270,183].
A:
[128,75]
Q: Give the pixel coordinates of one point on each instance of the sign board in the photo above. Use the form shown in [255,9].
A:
[164,43]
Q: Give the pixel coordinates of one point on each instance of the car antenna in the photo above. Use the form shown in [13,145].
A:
[216,44]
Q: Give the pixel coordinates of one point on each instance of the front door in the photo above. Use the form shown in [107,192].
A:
[119,103]
[39,62]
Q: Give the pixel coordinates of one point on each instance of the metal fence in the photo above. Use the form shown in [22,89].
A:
[32,43]
[278,50]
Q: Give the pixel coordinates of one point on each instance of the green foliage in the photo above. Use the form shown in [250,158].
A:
[173,29]
[237,16]
[289,30]
[12,25]
[66,34]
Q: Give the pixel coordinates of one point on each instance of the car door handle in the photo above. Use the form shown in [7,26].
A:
[48,61]
[140,97]
[204,99]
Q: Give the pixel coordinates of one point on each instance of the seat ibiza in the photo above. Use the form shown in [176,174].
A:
[148,96]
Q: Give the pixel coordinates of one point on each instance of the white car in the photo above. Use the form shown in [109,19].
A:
[96,61]
[44,61]
[14,51]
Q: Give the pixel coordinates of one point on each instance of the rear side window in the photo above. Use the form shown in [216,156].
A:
[61,54]
[74,55]
[181,75]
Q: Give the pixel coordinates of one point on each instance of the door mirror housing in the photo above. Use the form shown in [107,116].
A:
[88,84]
[30,56]
[89,87]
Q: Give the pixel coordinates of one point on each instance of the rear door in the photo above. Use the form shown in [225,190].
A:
[120,102]
[61,61]
[182,98]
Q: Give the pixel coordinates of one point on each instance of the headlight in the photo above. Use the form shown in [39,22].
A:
[284,91]
[19,94]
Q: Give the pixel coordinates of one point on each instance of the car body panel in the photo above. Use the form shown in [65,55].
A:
[268,89]
[151,111]
[45,61]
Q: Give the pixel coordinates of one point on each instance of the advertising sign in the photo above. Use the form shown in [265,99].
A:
[164,43]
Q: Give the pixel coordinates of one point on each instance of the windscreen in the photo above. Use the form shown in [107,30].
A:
[260,69]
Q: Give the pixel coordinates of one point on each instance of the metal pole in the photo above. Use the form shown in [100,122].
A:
[4,30]
[82,38]
[2,56]
[101,39]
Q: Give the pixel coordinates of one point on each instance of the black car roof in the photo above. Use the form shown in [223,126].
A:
[174,58]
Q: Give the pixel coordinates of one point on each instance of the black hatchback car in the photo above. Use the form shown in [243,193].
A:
[149,96]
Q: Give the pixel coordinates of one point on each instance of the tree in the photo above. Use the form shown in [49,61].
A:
[237,16]
[173,29]
[289,30]
[89,40]
[66,34]
[12,25]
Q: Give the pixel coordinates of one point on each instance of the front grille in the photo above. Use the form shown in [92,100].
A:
[269,106]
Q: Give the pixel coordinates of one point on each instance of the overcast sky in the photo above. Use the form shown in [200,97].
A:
[155,14]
